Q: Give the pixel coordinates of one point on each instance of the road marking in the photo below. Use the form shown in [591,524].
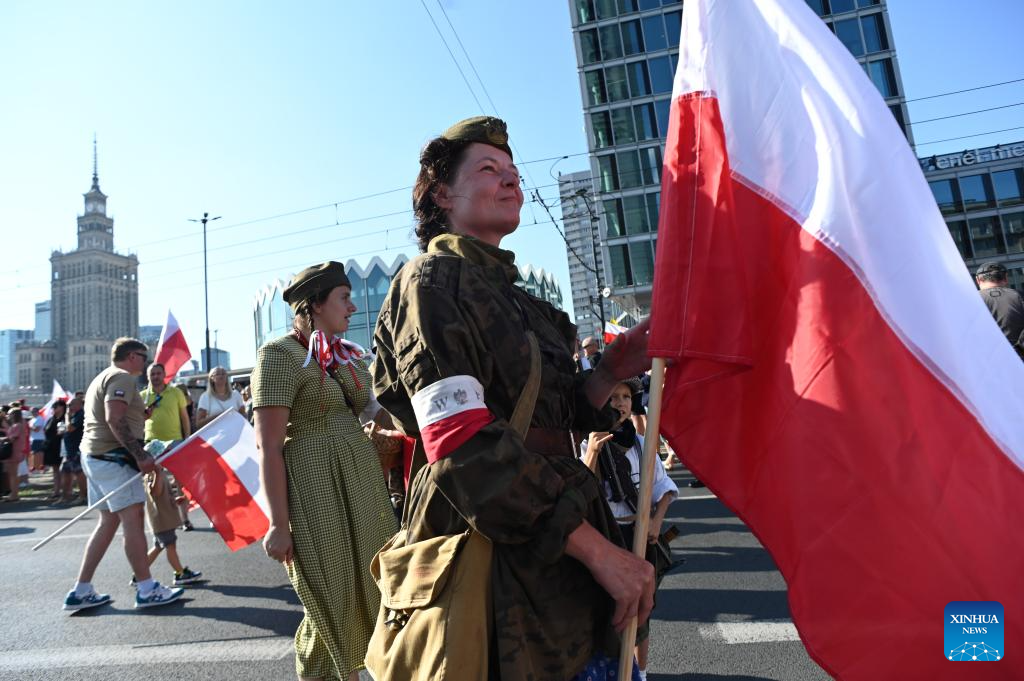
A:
[698,497]
[749,632]
[36,537]
[243,650]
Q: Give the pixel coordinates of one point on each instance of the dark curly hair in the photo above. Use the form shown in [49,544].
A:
[439,162]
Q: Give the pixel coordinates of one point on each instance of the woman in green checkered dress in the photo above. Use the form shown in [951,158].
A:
[330,511]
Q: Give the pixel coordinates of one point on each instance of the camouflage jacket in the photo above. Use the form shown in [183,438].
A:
[455,311]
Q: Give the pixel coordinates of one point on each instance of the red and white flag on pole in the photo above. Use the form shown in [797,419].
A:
[611,330]
[57,394]
[838,382]
[219,467]
[172,351]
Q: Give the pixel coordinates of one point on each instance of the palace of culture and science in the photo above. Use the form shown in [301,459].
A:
[94,300]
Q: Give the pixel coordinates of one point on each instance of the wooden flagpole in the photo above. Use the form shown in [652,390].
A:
[643,511]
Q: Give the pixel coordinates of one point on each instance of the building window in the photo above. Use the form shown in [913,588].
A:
[622,126]
[639,81]
[634,209]
[660,69]
[1013,227]
[622,272]
[653,208]
[589,46]
[611,42]
[958,230]
[648,4]
[654,33]
[848,32]
[650,160]
[976,192]
[595,86]
[897,112]
[673,27]
[875,39]
[840,6]
[643,262]
[986,236]
[629,169]
[632,38]
[601,126]
[605,8]
[615,81]
[585,11]
[663,109]
[607,173]
[613,218]
[946,195]
[1008,185]
[646,122]
[818,6]
[868,3]
[883,76]
[627,6]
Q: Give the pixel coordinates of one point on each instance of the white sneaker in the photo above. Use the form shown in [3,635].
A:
[160,595]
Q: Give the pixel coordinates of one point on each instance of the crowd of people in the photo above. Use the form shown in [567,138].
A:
[520,445]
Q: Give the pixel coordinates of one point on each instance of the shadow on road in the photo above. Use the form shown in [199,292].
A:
[19,529]
[708,605]
[725,558]
[283,592]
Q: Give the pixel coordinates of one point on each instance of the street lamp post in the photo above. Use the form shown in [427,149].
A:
[206,290]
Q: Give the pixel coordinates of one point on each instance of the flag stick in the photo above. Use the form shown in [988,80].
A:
[643,511]
[120,487]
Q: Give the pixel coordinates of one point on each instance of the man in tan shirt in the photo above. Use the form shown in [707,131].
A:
[112,457]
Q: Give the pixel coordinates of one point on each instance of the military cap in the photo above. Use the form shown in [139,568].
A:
[483,129]
[315,279]
[992,268]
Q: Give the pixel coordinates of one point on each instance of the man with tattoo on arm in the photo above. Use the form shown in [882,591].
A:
[112,453]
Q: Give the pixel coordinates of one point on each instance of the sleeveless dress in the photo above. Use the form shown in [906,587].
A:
[338,504]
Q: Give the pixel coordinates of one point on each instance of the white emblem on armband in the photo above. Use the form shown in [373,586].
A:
[447,397]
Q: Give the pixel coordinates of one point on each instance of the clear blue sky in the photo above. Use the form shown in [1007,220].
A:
[255,109]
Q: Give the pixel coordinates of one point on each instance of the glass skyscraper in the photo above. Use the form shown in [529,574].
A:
[626,51]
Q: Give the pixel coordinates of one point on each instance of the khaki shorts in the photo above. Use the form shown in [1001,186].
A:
[106,476]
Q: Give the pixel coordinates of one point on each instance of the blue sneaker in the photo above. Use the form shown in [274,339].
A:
[160,595]
[187,576]
[89,600]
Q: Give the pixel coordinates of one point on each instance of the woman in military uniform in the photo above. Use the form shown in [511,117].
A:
[453,357]
[329,508]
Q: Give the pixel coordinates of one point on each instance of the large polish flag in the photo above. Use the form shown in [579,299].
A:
[838,382]
[218,467]
[172,350]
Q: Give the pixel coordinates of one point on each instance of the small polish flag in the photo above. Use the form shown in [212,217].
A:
[219,469]
[58,394]
[611,330]
[172,351]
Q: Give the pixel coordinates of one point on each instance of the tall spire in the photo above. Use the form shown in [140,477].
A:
[95,165]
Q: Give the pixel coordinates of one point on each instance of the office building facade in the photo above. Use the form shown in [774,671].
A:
[9,340]
[980,193]
[44,324]
[627,52]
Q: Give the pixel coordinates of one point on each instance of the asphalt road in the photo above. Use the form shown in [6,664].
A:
[721,616]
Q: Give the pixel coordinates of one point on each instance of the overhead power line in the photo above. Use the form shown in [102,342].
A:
[963,137]
[968,113]
[452,55]
[970,89]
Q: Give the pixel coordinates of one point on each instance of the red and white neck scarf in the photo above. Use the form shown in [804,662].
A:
[330,353]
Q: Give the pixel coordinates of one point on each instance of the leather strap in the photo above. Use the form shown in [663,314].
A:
[523,413]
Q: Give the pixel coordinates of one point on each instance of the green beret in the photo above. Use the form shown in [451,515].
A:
[313,280]
[483,129]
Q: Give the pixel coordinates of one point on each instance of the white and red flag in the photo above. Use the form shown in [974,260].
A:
[837,380]
[611,330]
[57,394]
[218,465]
[172,351]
